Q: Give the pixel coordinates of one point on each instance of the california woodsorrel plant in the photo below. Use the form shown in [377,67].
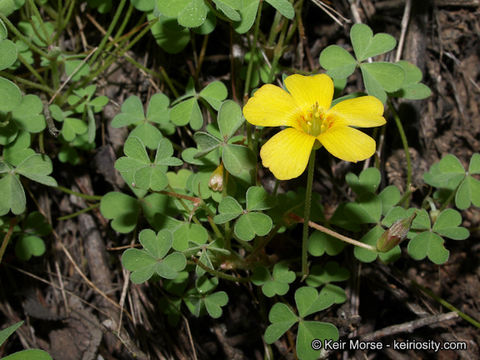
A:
[205,177]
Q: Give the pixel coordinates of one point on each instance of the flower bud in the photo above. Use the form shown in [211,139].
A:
[395,234]
[216,179]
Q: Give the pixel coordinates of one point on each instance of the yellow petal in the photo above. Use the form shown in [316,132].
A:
[365,111]
[271,106]
[347,143]
[308,90]
[286,154]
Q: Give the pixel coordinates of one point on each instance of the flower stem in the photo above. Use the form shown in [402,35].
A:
[334,233]
[75,193]
[446,304]
[75,214]
[112,25]
[253,47]
[403,137]
[306,214]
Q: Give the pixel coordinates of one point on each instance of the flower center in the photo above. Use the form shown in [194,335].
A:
[314,121]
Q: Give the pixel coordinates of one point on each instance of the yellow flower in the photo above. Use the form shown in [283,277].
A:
[305,110]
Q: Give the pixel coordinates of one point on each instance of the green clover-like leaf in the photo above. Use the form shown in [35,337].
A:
[5,333]
[367,182]
[320,243]
[37,167]
[26,115]
[248,11]
[12,195]
[309,301]
[313,330]
[447,173]
[146,126]
[214,303]
[366,45]
[428,244]
[474,166]
[31,354]
[390,196]
[37,224]
[228,10]
[71,126]
[338,62]
[259,199]
[10,97]
[283,7]
[371,238]
[366,209]
[170,36]
[83,98]
[467,193]
[6,8]
[330,272]
[275,284]
[186,233]
[230,119]
[251,224]
[282,318]
[140,170]
[18,150]
[122,209]
[9,53]
[447,224]
[153,259]
[381,77]
[206,143]
[214,93]
[412,88]
[28,246]
[76,68]
[187,112]
[239,161]
[228,209]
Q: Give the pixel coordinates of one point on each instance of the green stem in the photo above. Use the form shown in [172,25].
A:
[120,53]
[28,83]
[306,214]
[447,304]
[42,23]
[219,274]
[115,19]
[201,57]
[168,81]
[84,196]
[253,47]
[403,137]
[121,28]
[180,199]
[26,40]
[277,53]
[32,70]
[64,20]
[263,243]
[7,237]
[274,29]
[335,234]
[450,197]
[75,214]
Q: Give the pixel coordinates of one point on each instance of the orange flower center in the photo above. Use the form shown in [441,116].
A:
[315,121]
